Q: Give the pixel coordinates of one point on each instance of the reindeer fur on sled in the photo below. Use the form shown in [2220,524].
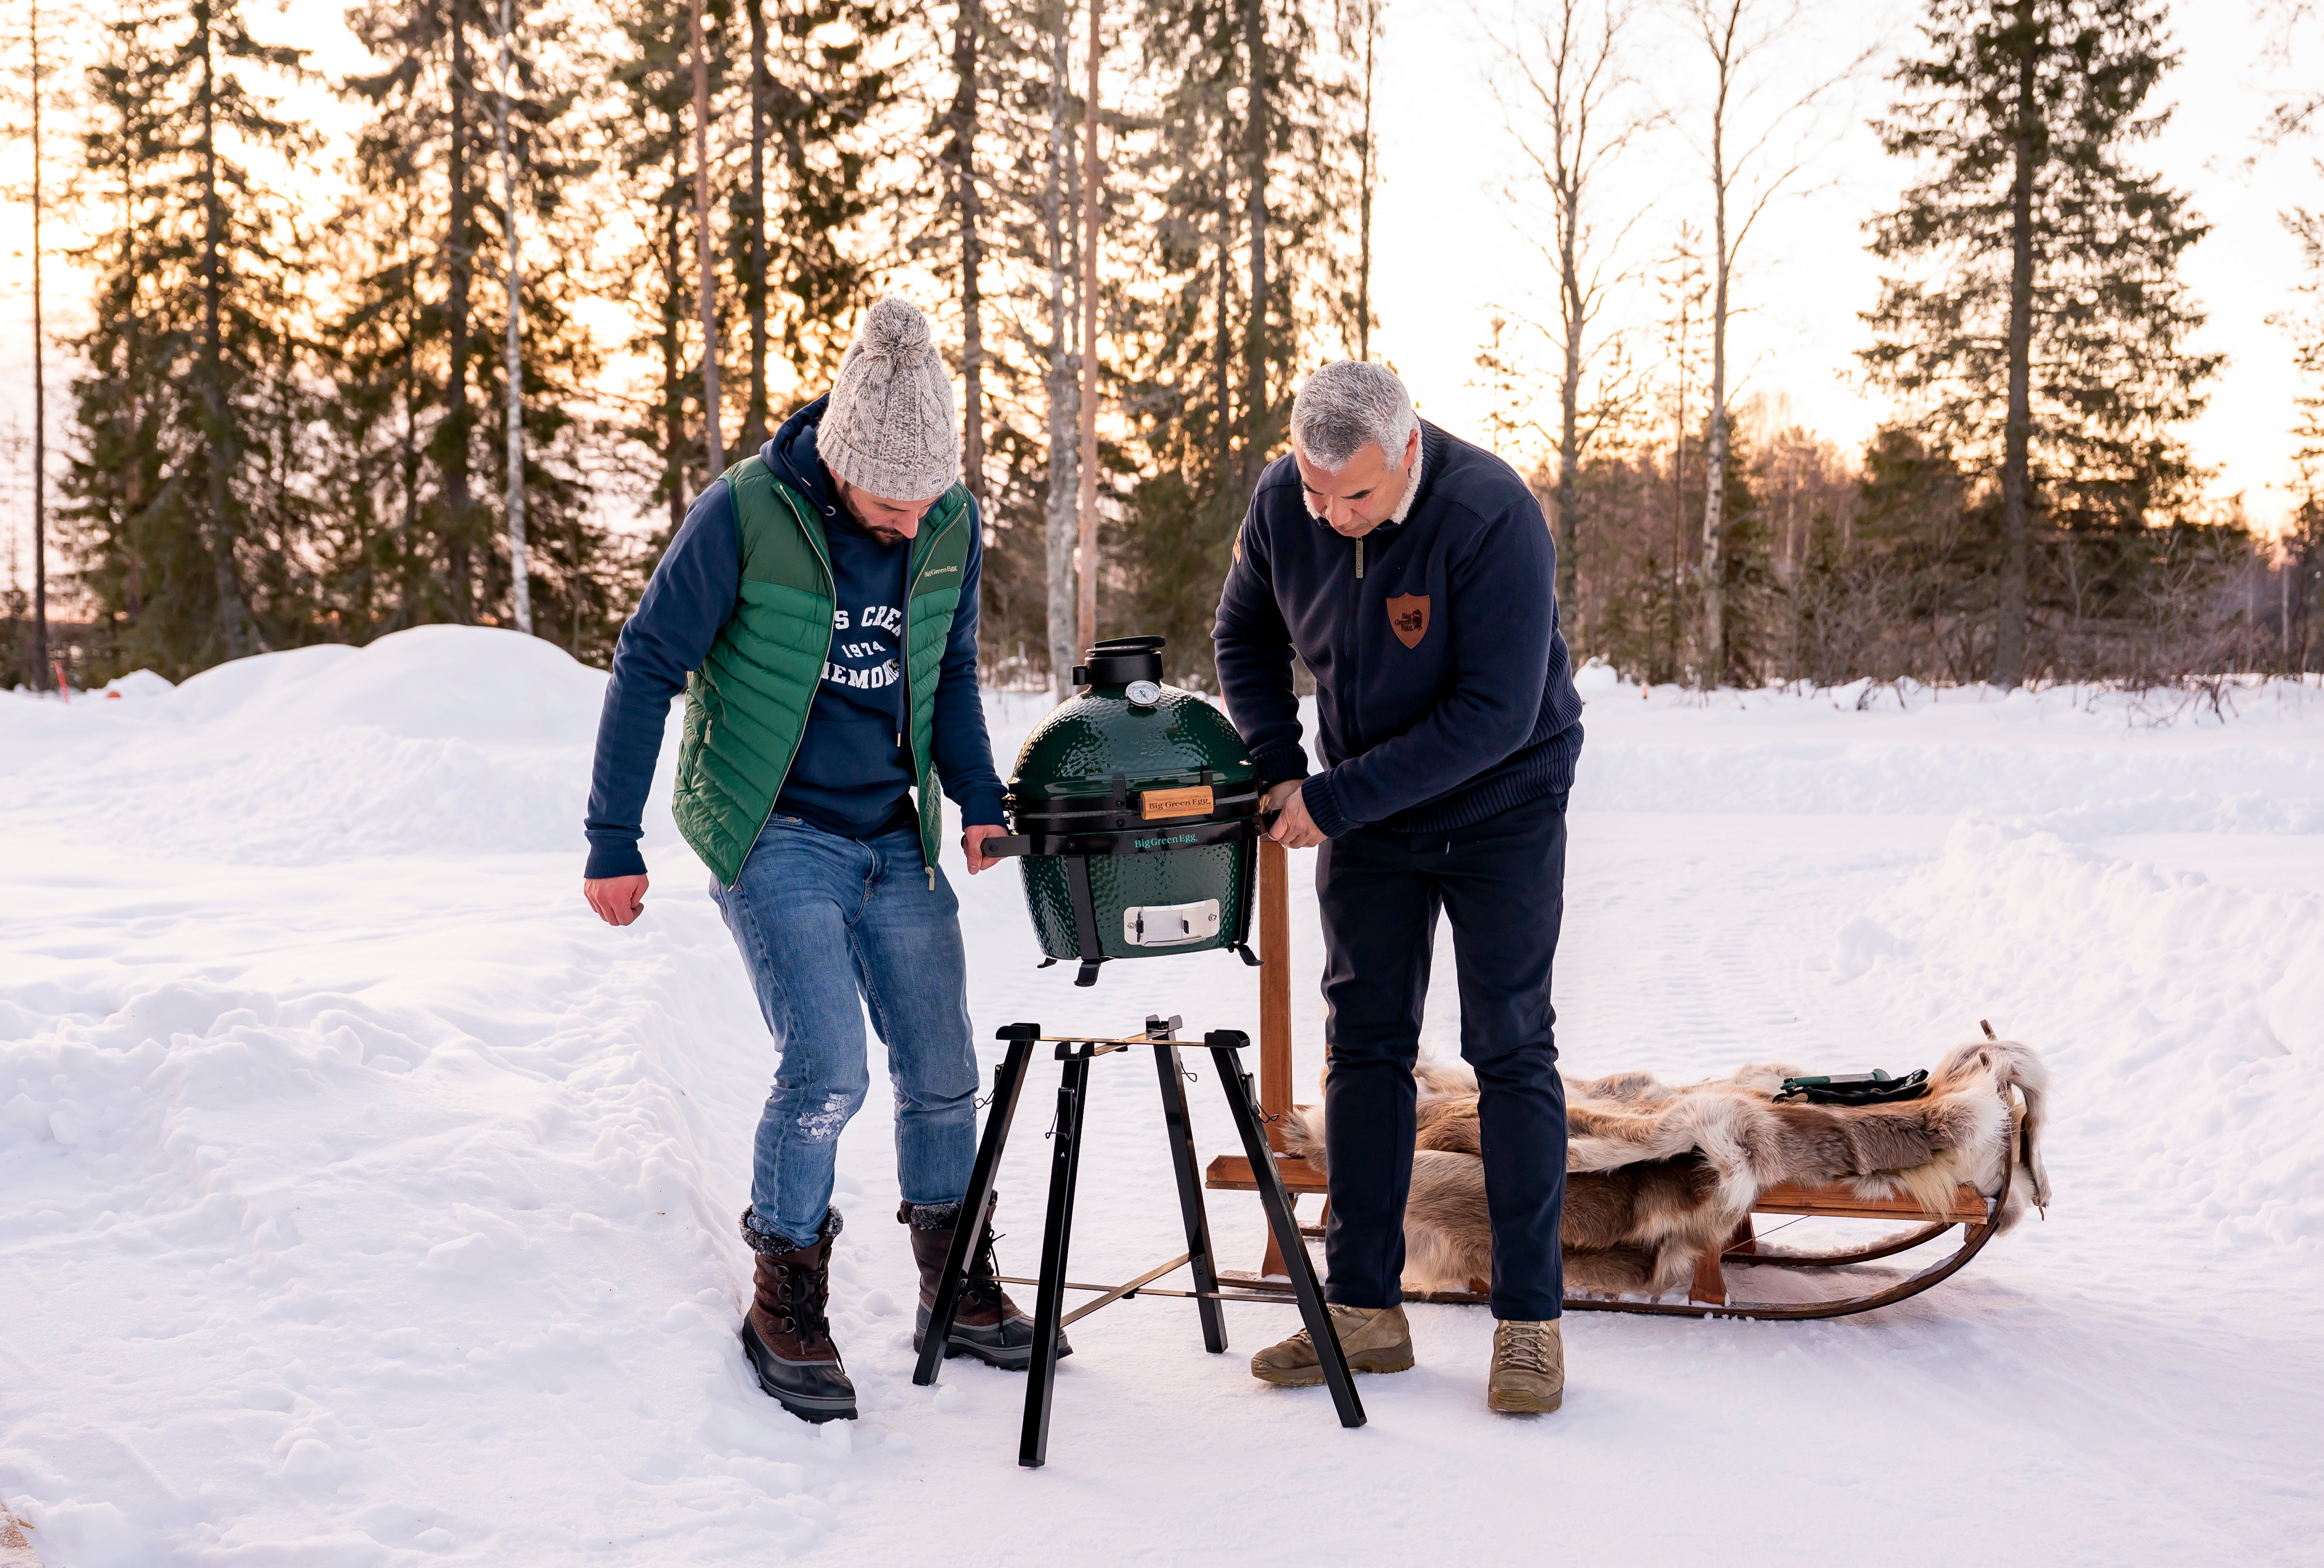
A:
[1655,1174]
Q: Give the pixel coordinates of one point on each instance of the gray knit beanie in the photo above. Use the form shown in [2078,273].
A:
[890,428]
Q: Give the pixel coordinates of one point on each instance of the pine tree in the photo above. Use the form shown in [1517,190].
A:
[182,506]
[2046,335]
[427,144]
[1251,171]
[833,84]
[27,83]
[417,470]
[654,96]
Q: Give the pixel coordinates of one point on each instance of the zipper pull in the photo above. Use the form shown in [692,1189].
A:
[932,878]
[1360,560]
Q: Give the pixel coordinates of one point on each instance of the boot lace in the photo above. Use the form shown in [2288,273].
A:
[982,1288]
[804,1302]
[1525,1347]
[1341,1316]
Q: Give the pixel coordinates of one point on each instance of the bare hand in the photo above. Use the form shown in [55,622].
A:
[618,901]
[972,844]
[1293,828]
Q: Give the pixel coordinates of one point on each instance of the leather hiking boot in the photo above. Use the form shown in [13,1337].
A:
[1528,1375]
[1374,1338]
[986,1323]
[786,1333]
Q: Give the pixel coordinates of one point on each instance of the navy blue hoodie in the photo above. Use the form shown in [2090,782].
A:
[1443,691]
[851,776]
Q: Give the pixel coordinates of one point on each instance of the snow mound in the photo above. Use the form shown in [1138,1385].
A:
[139,684]
[431,683]
[441,740]
[343,1219]
[2184,1020]
[1595,679]
[2087,764]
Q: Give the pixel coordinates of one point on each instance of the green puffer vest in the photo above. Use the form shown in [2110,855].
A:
[747,708]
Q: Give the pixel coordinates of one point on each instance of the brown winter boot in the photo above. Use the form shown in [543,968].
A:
[1374,1338]
[786,1335]
[1528,1376]
[986,1325]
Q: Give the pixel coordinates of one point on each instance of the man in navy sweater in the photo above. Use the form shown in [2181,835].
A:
[1413,574]
[847,533]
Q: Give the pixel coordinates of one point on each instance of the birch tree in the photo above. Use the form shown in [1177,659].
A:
[37,68]
[1571,105]
[1751,157]
[1060,195]
[512,278]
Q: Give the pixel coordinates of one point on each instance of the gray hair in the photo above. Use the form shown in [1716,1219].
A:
[1348,405]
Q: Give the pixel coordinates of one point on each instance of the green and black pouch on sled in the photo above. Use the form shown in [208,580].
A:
[1873,1088]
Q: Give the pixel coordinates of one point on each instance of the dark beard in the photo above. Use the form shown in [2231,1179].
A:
[881,536]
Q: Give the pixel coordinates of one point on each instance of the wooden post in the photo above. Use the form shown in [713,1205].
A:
[1274,1013]
[1274,987]
[1227,1171]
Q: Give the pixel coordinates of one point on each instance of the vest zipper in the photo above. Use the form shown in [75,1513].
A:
[1360,560]
[919,779]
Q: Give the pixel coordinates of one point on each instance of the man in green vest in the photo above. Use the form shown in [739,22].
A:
[819,609]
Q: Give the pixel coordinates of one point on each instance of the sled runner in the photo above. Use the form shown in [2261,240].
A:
[1710,1294]
[1779,1280]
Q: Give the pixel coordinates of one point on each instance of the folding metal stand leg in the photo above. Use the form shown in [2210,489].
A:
[975,1222]
[1226,1049]
[1049,1295]
[1179,1129]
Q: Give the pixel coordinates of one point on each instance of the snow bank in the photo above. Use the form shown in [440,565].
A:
[438,741]
[366,1272]
[2183,1020]
[2076,760]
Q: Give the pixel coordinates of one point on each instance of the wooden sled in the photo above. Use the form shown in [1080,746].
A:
[1978,1214]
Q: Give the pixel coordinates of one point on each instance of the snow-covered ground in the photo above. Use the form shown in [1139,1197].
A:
[363,1200]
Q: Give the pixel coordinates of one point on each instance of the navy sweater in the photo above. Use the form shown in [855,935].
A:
[851,776]
[1443,691]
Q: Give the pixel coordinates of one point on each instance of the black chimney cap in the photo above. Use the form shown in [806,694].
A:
[1119,661]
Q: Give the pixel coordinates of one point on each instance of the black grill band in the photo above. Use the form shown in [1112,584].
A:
[1084,815]
[1161,838]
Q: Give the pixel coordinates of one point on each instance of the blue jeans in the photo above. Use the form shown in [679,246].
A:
[821,919]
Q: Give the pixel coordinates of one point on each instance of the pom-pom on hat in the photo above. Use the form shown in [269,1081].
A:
[890,427]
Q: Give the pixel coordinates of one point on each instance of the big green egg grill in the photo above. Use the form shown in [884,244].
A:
[1136,808]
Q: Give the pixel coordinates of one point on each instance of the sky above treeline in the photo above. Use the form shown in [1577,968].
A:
[1458,235]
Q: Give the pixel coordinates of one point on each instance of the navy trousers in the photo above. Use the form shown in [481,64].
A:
[1503,883]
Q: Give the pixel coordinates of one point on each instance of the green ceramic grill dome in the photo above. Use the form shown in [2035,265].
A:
[1136,808]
